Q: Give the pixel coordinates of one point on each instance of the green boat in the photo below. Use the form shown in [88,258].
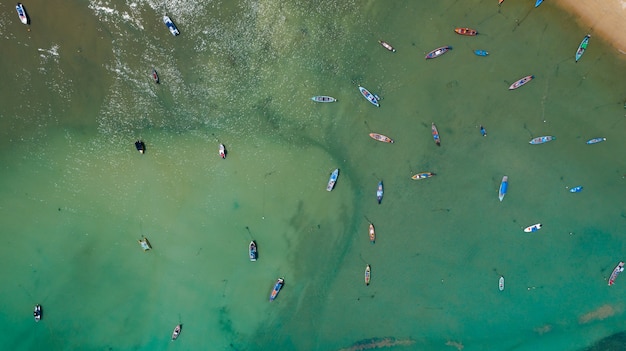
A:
[582,47]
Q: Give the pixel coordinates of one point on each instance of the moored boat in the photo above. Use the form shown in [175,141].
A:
[504,185]
[373,98]
[466,31]
[617,270]
[422,175]
[483,132]
[386,45]
[279,285]
[176,333]
[532,228]
[21,13]
[332,180]
[380,137]
[323,98]
[576,189]
[481,53]
[501,283]
[372,233]
[582,47]
[170,25]
[379,192]
[140,146]
[521,82]
[222,151]
[37,313]
[155,76]
[538,2]
[438,52]
[595,140]
[368,274]
[252,251]
[144,243]
[542,139]
[435,133]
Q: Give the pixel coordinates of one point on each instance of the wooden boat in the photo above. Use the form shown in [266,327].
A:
[279,285]
[37,313]
[323,98]
[504,185]
[222,151]
[144,243]
[368,274]
[466,31]
[170,25]
[501,283]
[423,175]
[521,82]
[21,13]
[542,139]
[582,47]
[140,146]
[372,234]
[533,228]
[380,137]
[435,134]
[373,98]
[538,2]
[481,53]
[155,76]
[617,270]
[595,140]
[576,189]
[379,192]
[483,132]
[386,45]
[438,52]
[252,251]
[177,331]
[332,180]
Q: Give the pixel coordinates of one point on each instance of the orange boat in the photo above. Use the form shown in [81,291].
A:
[466,31]
[368,271]
[372,234]
[380,137]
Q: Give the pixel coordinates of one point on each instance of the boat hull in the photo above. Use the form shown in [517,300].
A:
[576,189]
[323,98]
[37,313]
[501,283]
[368,274]
[333,180]
[422,175]
[386,45]
[435,133]
[504,185]
[222,151]
[481,53]
[521,82]
[595,141]
[372,233]
[466,31]
[277,287]
[170,25]
[617,270]
[533,228]
[155,76]
[373,99]
[252,251]
[145,244]
[176,332]
[382,138]
[582,47]
[438,52]
[21,13]
[542,140]
[379,192]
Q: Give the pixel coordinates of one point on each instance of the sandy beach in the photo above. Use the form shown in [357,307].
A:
[604,18]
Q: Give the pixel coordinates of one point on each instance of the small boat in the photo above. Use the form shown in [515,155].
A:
[501,283]
[466,31]
[435,134]
[368,274]
[481,53]
[379,192]
[438,52]
[533,228]
[323,98]
[576,189]
[483,132]
[372,234]
[21,12]
[144,243]
[373,98]
[380,137]
[542,139]
[37,313]
[170,25]
[521,82]
[177,331]
[504,186]
[582,47]
[252,251]
[595,140]
[386,45]
[279,285]
[423,175]
[538,2]
[500,2]
[155,76]
[222,151]
[617,270]
[332,180]
[140,146]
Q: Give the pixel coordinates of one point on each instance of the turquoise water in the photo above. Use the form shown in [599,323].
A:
[76,196]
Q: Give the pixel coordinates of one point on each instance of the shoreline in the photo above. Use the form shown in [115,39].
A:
[604,18]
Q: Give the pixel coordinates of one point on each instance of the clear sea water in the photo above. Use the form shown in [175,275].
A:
[76,196]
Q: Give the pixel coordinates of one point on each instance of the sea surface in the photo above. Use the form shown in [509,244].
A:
[75,195]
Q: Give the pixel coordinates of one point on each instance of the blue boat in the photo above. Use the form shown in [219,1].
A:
[373,98]
[170,25]
[481,52]
[542,139]
[504,186]
[379,192]
[279,285]
[332,180]
[595,140]
[538,2]
[483,132]
[576,189]
[582,47]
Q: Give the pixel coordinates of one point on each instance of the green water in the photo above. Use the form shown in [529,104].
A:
[76,196]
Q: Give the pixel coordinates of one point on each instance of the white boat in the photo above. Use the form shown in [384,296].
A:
[373,98]
[504,185]
[617,270]
[222,151]
[323,98]
[21,12]
[332,180]
[144,243]
[501,283]
[170,25]
[37,313]
[533,228]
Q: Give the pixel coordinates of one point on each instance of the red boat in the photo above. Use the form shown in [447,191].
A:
[155,76]
[387,46]
[176,331]
[617,270]
[466,31]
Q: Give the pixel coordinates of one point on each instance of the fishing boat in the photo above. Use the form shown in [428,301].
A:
[521,82]
[380,137]
[155,76]
[140,146]
[423,175]
[542,139]
[481,53]
[466,31]
[435,134]
[533,228]
[279,285]
[483,132]
[438,52]
[504,186]
[576,189]
[373,98]
[37,313]
[582,47]
[222,151]
[144,243]
[372,234]
[501,283]
[617,270]
[386,45]
[379,192]
[538,2]
[170,25]
[177,331]
[252,253]
[595,140]
[323,98]
[21,12]
[332,180]
[368,274]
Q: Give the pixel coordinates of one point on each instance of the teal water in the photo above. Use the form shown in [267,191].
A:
[76,195]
